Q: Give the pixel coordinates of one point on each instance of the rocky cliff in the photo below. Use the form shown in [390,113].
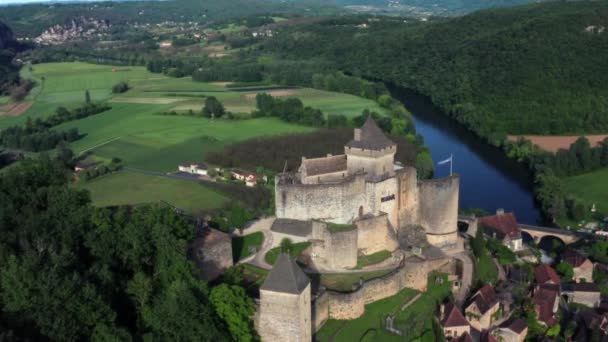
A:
[6,36]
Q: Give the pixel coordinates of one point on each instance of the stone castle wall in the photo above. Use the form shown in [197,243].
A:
[320,311]
[334,250]
[438,202]
[381,197]
[351,305]
[338,203]
[408,197]
[284,317]
[374,234]
[373,162]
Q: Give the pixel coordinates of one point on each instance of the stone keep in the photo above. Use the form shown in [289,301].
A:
[364,183]
[285,308]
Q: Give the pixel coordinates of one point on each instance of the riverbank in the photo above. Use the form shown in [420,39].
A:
[488,178]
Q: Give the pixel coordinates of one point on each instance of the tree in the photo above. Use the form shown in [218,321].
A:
[424,165]
[234,307]
[213,108]
[87,97]
[120,87]
[565,270]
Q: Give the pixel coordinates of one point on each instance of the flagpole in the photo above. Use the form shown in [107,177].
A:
[451,162]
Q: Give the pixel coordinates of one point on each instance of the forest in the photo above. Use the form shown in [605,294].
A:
[70,271]
[548,57]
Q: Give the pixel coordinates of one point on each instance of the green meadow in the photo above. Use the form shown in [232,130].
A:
[592,188]
[136,131]
[133,188]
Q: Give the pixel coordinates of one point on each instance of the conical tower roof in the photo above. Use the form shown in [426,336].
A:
[370,137]
[286,276]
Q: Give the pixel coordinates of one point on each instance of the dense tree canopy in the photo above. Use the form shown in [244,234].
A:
[69,271]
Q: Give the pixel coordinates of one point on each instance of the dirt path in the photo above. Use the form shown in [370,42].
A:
[16,109]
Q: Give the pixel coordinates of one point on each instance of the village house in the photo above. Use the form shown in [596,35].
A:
[582,293]
[582,267]
[482,309]
[503,227]
[212,253]
[513,330]
[193,168]
[546,303]
[545,274]
[453,322]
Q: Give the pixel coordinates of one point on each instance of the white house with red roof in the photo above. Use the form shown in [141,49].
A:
[503,227]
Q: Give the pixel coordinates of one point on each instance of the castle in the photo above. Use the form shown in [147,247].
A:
[347,206]
[365,188]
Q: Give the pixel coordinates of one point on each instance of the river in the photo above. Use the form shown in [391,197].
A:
[488,179]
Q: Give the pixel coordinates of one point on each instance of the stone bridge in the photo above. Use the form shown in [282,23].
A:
[536,232]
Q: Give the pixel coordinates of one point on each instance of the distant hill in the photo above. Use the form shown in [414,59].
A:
[426,7]
[534,69]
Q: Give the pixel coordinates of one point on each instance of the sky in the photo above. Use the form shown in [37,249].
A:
[13,2]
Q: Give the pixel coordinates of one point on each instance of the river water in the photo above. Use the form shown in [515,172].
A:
[488,179]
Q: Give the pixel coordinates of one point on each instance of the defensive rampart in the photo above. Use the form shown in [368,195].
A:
[343,306]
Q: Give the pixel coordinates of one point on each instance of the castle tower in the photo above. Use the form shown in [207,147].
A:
[370,151]
[285,308]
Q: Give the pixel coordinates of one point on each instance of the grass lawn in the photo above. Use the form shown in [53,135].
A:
[296,249]
[242,245]
[346,281]
[133,188]
[485,269]
[592,188]
[416,321]
[372,319]
[372,259]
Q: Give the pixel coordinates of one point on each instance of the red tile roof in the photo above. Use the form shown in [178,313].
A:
[516,325]
[501,224]
[466,337]
[544,301]
[545,274]
[453,317]
[573,257]
[485,298]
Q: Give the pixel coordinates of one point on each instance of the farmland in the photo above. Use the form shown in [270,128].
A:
[590,187]
[136,130]
[134,188]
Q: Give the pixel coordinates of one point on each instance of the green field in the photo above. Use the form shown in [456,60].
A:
[346,281]
[592,188]
[134,188]
[135,130]
[416,321]
[372,259]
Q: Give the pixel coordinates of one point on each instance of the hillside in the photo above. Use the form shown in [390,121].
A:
[425,8]
[8,74]
[535,69]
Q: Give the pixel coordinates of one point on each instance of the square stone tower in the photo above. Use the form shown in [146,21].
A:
[285,308]
[371,152]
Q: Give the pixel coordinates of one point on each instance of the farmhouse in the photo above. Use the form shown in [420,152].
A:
[544,274]
[84,165]
[546,302]
[193,168]
[503,227]
[249,178]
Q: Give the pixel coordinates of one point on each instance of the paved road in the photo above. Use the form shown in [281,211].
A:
[467,277]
